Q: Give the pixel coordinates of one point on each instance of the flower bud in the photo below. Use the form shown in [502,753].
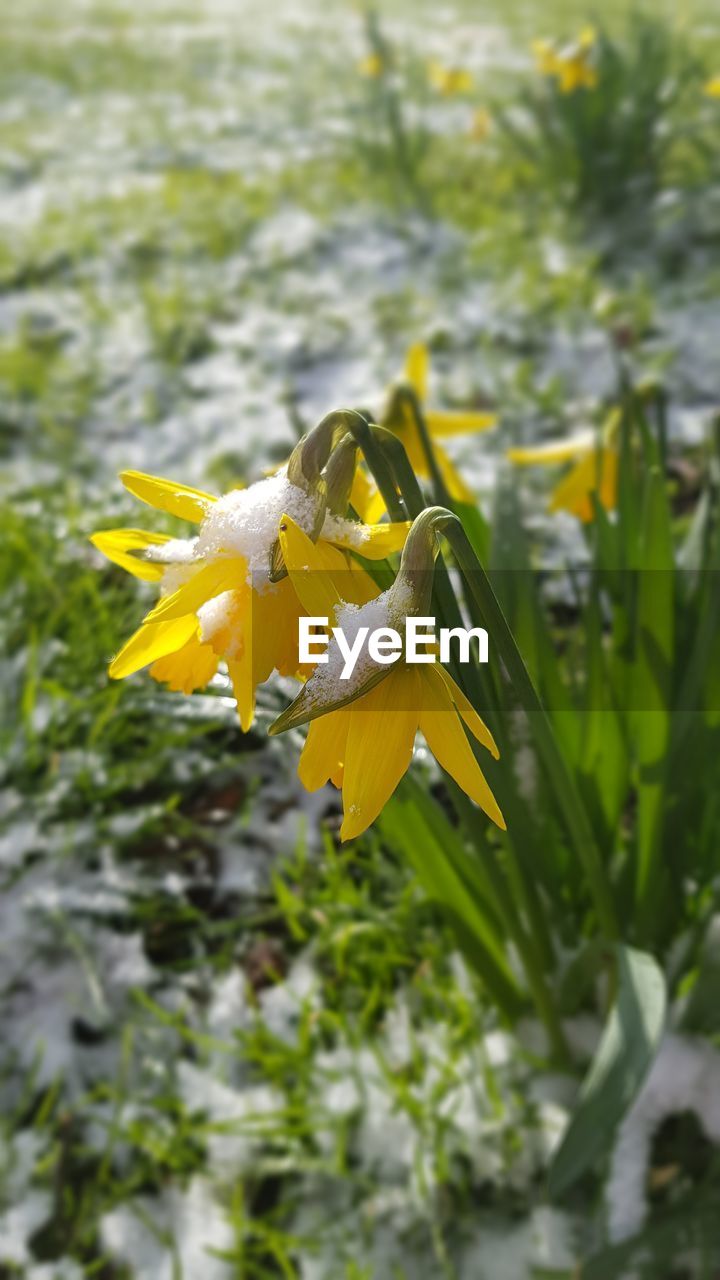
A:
[409,595]
[340,474]
[411,591]
[305,470]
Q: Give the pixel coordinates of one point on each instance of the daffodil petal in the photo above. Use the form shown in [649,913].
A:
[445,736]
[150,642]
[595,473]
[366,498]
[360,587]
[553,451]
[241,674]
[117,545]
[309,567]
[189,668]
[441,423]
[381,734]
[417,363]
[212,579]
[167,495]
[372,541]
[475,724]
[608,490]
[454,482]
[324,749]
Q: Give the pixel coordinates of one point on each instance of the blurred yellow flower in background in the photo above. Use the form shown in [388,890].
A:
[712,87]
[571,64]
[440,423]
[372,66]
[449,80]
[595,469]
[480,125]
[361,736]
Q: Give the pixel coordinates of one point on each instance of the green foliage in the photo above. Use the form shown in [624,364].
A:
[621,1062]
[608,147]
[121,803]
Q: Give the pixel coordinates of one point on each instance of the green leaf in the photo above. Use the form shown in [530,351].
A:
[653,685]
[604,764]
[623,1058]
[477,529]
[415,826]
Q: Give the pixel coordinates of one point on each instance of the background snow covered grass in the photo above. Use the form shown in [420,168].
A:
[229,1049]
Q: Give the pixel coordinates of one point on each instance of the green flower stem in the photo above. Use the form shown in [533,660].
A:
[442,496]
[403,150]
[450,615]
[507,909]
[448,607]
[554,763]
[484,696]
[362,433]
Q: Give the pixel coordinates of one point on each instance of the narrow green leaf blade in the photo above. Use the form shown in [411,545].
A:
[623,1058]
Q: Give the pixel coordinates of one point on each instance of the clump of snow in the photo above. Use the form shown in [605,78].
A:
[349,532]
[402,599]
[175,577]
[238,1119]
[194,1220]
[685,1076]
[350,618]
[218,615]
[245,522]
[283,1003]
[175,551]
[18,1223]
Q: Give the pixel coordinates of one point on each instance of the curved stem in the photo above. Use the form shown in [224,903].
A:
[362,432]
[442,494]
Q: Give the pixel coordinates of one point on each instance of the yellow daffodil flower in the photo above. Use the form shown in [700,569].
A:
[595,469]
[569,65]
[218,597]
[440,423]
[480,125]
[371,66]
[712,87]
[449,80]
[361,738]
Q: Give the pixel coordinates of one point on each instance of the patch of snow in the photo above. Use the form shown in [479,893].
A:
[19,1223]
[325,684]
[685,1076]
[245,522]
[176,551]
[218,615]
[349,532]
[193,1219]
[282,1004]
[239,1115]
